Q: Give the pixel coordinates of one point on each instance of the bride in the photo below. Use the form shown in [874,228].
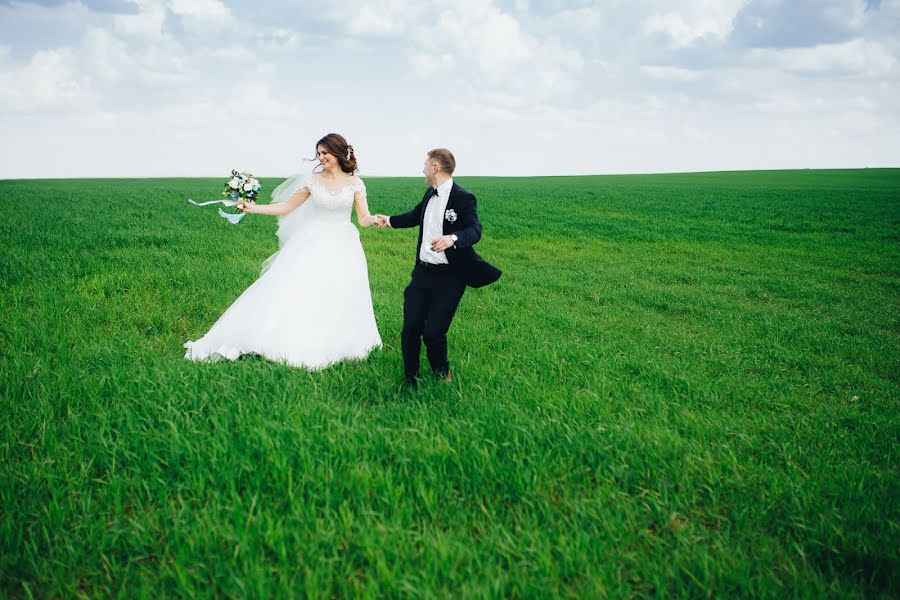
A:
[311,306]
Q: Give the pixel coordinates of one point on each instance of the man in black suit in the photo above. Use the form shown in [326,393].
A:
[445,264]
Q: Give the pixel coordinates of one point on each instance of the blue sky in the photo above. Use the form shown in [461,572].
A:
[515,87]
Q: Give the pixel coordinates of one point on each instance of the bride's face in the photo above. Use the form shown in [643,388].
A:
[326,159]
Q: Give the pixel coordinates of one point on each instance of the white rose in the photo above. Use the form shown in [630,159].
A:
[234,183]
[254,182]
[248,187]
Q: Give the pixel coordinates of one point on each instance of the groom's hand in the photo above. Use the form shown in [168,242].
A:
[442,243]
[380,220]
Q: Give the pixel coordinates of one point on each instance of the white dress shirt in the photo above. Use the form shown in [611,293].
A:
[433,225]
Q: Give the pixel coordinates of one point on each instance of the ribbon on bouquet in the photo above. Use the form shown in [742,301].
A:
[233,219]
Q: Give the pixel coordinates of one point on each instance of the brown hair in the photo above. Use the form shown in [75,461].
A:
[444,158]
[337,146]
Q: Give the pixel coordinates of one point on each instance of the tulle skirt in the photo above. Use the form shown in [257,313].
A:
[310,308]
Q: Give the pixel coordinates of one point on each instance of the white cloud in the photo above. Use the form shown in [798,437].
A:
[146,23]
[670,73]
[429,63]
[372,21]
[49,81]
[588,18]
[686,22]
[280,39]
[856,57]
[207,10]
[205,18]
[108,54]
[487,48]
[674,25]
[384,18]
[494,39]
[473,42]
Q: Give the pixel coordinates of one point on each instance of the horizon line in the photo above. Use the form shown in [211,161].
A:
[638,173]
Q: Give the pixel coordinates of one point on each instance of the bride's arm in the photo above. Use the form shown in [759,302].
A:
[363,216]
[282,208]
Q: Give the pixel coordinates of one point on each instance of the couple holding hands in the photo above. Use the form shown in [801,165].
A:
[311,306]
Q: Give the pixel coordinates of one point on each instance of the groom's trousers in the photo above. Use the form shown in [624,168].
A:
[429,303]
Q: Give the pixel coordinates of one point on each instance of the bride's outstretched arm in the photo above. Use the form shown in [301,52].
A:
[281,208]
[363,216]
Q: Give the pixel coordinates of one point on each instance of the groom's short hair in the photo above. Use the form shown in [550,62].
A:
[443,157]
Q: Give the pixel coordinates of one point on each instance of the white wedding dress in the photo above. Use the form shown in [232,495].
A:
[311,306]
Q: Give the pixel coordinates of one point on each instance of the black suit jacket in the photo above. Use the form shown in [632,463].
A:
[462,258]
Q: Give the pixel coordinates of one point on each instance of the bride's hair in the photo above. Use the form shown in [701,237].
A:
[338,147]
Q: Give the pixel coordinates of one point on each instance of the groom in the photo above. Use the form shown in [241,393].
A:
[445,264]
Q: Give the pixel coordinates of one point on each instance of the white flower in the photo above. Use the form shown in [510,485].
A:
[234,183]
[450,215]
[248,187]
[254,181]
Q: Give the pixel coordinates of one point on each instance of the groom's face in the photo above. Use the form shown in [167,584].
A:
[430,170]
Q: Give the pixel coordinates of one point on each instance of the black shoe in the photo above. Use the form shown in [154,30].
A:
[410,384]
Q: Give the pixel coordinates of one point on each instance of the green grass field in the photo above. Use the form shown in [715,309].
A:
[683,385]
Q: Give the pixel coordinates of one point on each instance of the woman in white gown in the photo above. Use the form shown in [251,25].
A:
[311,306]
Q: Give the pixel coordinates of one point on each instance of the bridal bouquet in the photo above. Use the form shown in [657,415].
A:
[240,188]
[243,186]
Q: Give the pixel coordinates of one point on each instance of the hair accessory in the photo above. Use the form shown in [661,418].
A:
[349,151]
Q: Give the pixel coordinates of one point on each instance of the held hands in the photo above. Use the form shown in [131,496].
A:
[380,221]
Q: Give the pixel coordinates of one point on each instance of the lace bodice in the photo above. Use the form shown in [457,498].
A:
[334,204]
[324,207]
